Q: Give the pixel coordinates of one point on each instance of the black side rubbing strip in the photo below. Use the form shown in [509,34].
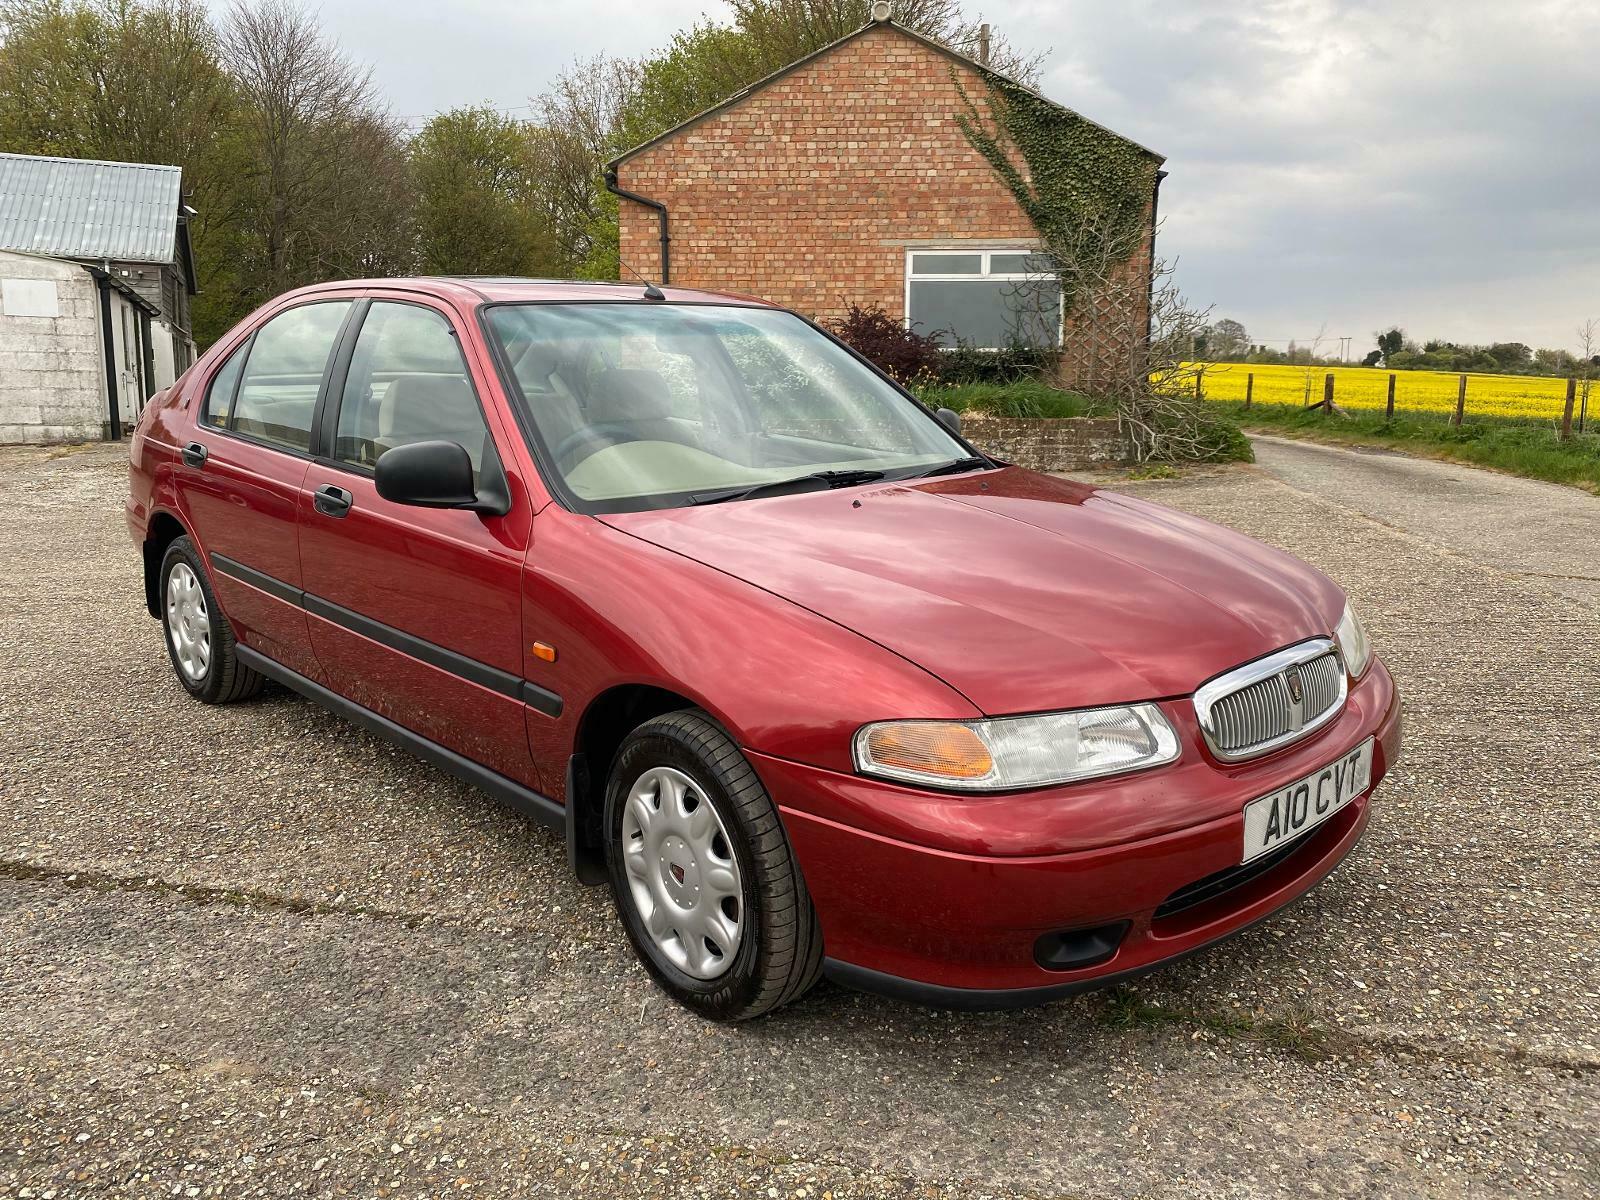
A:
[541,808]
[506,684]
[540,698]
[469,669]
[259,580]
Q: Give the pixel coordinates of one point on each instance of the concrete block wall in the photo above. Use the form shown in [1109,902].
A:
[52,373]
[1050,443]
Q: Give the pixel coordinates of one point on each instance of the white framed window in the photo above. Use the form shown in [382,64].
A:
[987,298]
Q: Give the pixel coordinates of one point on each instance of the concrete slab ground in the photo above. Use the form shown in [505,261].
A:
[253,951]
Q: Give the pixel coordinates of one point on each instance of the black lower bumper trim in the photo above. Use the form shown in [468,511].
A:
[935,995]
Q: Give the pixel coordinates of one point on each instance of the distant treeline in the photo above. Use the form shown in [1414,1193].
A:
[1228,341]
[300,172]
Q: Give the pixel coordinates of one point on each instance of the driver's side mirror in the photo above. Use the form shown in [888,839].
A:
[950,419]
[435,475]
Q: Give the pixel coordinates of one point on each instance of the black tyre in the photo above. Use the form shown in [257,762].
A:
[199,639]
[703,875]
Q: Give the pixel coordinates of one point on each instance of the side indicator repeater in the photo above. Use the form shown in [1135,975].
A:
[545,651]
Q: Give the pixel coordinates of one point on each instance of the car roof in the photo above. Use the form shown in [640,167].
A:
[500,289]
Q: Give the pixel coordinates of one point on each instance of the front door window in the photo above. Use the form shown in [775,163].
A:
[407,383]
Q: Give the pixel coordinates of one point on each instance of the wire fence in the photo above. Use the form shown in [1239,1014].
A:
[1568,405]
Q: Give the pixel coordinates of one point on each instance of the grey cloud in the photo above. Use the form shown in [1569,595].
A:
[1348,162]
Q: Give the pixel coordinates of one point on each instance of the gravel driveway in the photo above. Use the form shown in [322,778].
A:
[252,951]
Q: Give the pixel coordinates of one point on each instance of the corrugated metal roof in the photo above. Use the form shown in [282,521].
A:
[86,208]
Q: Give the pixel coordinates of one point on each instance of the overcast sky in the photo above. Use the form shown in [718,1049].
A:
[1336,165]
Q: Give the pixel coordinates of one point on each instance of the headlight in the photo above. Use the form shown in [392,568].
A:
[1017,752]
[1353,643]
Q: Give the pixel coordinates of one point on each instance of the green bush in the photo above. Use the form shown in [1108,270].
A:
[965,365]
[1223,441]
[1025,398]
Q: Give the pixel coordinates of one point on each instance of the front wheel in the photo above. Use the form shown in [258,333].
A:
[704,878]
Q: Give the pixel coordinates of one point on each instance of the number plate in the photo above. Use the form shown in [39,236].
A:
[1301,806]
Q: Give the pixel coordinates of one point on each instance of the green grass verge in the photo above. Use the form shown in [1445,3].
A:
[1216,438]
[1535,451]
[1024,398]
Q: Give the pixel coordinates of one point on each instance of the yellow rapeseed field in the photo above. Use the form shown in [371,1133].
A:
[1524,397]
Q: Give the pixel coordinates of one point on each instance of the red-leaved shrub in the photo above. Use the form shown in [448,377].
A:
[873,333]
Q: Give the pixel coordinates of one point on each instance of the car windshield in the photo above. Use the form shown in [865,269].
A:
[658,405]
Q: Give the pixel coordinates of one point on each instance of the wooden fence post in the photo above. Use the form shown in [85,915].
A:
[1388,414]
[1461,402]
[1249,388]
[1566,413]
[1327,391]
[1200,384]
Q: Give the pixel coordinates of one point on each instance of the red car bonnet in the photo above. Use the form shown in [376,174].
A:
[1024,592]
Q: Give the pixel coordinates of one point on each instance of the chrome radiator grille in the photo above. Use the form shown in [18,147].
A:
[1272,701]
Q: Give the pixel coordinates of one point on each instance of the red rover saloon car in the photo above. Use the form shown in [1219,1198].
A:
[817,687]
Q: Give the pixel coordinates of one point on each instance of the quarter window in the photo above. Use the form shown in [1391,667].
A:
[984,299]
[283,374]
[407,383]
[219,396]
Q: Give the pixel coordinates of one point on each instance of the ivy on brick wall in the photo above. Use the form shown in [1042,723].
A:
[1085,189]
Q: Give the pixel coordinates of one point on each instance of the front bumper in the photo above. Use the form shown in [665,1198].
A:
[944,924]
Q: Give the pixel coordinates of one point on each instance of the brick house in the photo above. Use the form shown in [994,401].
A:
[95,279]
[845,178]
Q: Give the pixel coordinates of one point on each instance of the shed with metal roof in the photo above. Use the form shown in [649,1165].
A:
[96,272]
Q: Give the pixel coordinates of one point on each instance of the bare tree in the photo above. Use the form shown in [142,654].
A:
[323,183]
[1312,353]
[574,134]
[1143,367]
[1588,364]
[1229,339]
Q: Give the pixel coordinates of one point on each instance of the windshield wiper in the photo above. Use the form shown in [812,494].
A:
[832,479]
[954,467]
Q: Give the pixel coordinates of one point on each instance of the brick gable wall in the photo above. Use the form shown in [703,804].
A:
[810,191]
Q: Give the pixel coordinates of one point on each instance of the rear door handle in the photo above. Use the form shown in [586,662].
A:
[332,501]
[194,455]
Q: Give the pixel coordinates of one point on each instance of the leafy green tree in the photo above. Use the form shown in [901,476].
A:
[1390,343]
[97,79]
[1511,357]
[700,68]
[476,197]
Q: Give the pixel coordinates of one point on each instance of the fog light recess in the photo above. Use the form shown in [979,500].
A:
[1074,949]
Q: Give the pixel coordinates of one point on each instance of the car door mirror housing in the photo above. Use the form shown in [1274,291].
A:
[950,419]
[433,475]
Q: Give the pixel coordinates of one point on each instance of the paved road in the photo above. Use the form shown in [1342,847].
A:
[252,950]
[1520,526]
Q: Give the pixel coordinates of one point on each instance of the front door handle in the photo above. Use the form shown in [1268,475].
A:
[332,501]
[194,455]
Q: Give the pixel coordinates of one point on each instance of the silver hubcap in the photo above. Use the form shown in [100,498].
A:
[188,623]
[682,874]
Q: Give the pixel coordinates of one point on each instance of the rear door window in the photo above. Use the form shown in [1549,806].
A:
[283,374]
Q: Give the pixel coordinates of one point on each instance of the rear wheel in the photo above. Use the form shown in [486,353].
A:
[704,878]
[199,639]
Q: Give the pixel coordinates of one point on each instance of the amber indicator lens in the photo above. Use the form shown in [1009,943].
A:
[940,748]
